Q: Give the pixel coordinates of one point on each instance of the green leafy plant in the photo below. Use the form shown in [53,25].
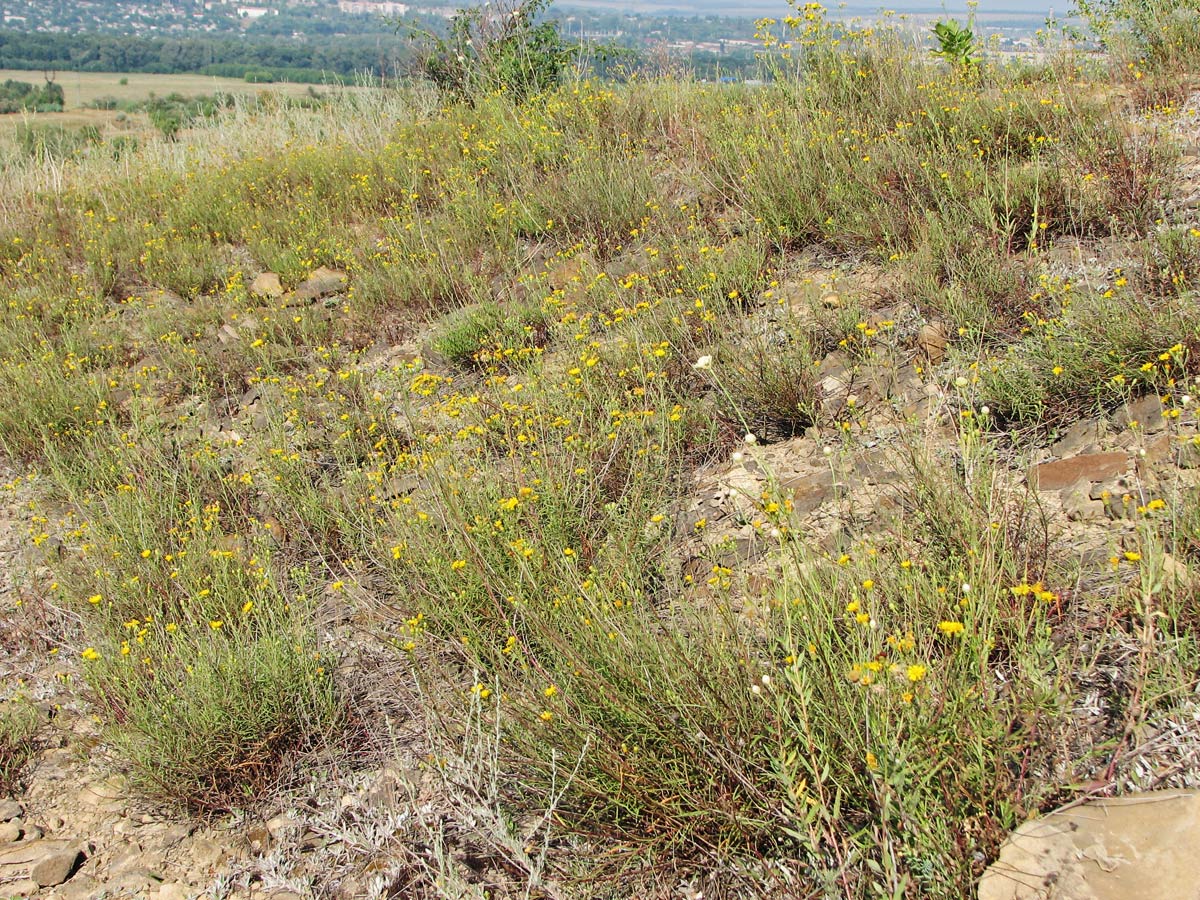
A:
[497,47]
[956,44]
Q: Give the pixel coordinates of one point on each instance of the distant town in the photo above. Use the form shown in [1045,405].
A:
[311,39]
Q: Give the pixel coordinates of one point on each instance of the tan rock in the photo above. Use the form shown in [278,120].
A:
[1079,507]
[208,854]
[1129,848]
[1082,437]
[109,790]
[1189,453]
[320,283]
[27,852]
[932,341]
[1145,413]
[266,284]
[809,491]
[1176,574]
[26,888]
[56,867]
[1088,467]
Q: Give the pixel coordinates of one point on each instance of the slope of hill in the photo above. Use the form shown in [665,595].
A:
[665,490]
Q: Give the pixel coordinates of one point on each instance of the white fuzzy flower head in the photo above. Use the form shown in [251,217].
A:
[966,588]
[703,363]
[961,382]
[1185,399]
[985,411]
[827,450]
[738,457]
[750,439]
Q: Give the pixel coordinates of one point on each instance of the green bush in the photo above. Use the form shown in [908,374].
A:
[485,334]
[19,96]
[500,47]
[217,727]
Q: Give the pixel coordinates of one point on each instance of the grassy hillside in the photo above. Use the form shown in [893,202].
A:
[660,469]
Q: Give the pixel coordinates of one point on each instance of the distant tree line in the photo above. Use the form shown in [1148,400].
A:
[275,58]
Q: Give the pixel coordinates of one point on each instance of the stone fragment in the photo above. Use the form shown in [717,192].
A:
[105,792]
[173,891]
[81,887]
[1176,574]
[931,342]
[1079,507]
[176,833]
[9,810]
[266,284]
[1088,467]
[808,491]
[1145,413]
[1127,848]
[258,839]
[1082,437]
[26,888]
[56,867]
[321,283]
[207,854]
[28,852]
[1189,454]
[280,824]
[137,883]
[10,832]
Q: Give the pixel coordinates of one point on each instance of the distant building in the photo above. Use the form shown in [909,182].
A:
[254,12]
[370,7]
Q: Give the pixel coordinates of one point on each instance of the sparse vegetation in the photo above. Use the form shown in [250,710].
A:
[674,440]
[19,725]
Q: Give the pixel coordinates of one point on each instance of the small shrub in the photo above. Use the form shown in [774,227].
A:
[768,384]
[491,334]
[496,47]
[217,726]
[19,723]
[1164,32]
